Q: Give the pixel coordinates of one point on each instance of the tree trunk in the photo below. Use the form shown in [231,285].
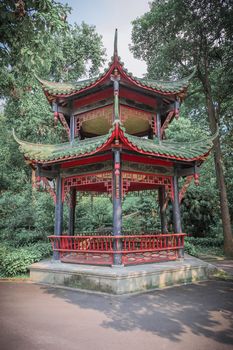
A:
[226,221]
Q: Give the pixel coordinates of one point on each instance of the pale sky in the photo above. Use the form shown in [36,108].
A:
[107,15]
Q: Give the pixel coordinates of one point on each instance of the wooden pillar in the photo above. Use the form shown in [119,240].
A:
[163,218]
[117,207]
[72,211]
[158,123]
[72,128]
[117,185]
[58,212]
[176,210]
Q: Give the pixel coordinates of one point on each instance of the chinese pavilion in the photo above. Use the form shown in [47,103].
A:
[116,126]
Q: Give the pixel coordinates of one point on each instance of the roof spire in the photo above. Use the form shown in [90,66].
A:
[115,52]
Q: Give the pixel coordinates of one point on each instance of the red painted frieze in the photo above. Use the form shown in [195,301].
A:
[151,179]
[82,181]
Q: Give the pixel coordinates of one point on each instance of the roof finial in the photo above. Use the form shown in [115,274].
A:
[115,53]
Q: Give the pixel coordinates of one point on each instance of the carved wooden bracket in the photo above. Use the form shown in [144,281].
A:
[183,190]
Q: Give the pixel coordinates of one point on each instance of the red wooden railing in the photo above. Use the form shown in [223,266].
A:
[135,249]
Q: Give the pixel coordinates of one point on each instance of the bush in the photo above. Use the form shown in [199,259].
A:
[26,238]
[205,241]
[190,248]
[204,246]
[17,261]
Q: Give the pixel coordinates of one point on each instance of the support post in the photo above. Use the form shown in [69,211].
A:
[158,122]
[72,211]
[58,213]
[72,128]
[176,210]
[117,207]
[162,209]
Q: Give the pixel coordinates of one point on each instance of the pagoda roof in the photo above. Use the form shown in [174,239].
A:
[66,89]
[183,151]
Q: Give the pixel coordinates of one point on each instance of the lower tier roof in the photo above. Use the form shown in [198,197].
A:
[168,149]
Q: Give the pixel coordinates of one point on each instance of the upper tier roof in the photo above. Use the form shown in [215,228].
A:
[161,87]
[177,88]
[183,151]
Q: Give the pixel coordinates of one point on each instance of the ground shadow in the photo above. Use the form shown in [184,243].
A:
[203,309]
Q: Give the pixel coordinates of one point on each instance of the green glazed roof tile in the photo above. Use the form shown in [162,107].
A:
[183,150]
[67,88]
[47,152]
[166,148]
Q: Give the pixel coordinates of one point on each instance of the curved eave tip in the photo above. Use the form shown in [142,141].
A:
[20,142]
[192,74]
[41,81]
[15,137]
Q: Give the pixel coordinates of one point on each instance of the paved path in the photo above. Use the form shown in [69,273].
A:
[192,317]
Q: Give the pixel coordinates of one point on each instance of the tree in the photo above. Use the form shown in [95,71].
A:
[177,35]
[35,39]
[26,29]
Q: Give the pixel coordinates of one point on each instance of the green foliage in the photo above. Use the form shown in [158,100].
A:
[201,247]
[205,242]
[190,248]
[27,30]
[93,214]
[26,210]
[17,261]
[35,39]
[173,37]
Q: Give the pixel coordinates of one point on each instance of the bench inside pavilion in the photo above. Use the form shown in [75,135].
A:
[115,126]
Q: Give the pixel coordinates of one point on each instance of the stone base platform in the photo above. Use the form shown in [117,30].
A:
[121,280]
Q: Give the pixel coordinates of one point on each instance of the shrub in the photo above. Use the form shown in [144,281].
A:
[17,261]
[26,237]
[190,248]
[205,241]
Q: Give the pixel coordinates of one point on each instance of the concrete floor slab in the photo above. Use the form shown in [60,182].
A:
[121,280]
